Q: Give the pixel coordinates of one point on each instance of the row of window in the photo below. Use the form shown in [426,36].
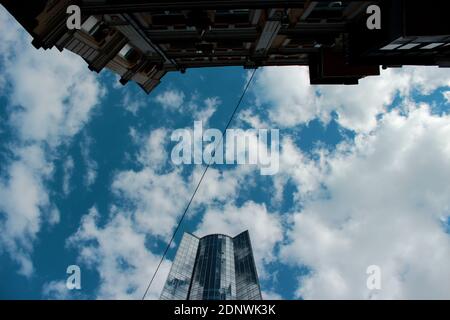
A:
[178,281]
[99,30]
[214,272]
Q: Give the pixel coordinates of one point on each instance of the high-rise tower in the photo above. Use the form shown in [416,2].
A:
[214,267]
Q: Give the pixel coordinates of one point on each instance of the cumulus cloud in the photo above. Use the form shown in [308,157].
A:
[292,101]
[171,99]
[270,295]
[23,202]
[199,109]
[118,252]
[447,96]
[56,289]
[306,173]
[385,197]
[286,90]
[210,107]
[158,192]
[70,93]
[253,119]
[220,186]
[153,153]
[91,165]
[133,102]
[50,96]
[68,167]
[156,200]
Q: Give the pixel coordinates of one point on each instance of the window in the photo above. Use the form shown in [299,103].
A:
[391,46]
[432,45]
[90,25]
[409,46]
[131,55]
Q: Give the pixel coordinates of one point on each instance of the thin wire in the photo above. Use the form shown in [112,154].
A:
[198,184]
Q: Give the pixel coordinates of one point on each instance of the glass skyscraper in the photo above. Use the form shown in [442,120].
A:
[215,267]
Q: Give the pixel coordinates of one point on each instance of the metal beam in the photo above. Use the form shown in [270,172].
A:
[213,35]
[138,29]
[143,5]
[308,10]
[269,33]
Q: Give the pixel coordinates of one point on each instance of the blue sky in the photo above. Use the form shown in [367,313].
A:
[86,178]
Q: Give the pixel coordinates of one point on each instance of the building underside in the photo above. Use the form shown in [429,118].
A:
[143,40]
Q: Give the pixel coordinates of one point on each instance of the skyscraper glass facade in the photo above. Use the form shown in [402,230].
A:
[247,284]
[215,267]
[179,280]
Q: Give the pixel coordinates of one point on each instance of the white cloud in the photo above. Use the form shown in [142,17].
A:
[133,102]
[91,165]
[53,92]
[50,98]
[447,96]
[200,110]
[210,108]
[270,295]
[287,91]
[385,199]
[155,199]
[253,119]
[171,99]
[68,167]
[219,186]
[153,153]
[56,290]
[118,252]
[292,101]
[23,197]
[158,197]
[304,172]
[70,94]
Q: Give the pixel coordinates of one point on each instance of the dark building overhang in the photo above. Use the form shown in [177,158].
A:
[142,40]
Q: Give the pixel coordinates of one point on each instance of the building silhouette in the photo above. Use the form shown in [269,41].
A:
[142,40]
[214,267]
